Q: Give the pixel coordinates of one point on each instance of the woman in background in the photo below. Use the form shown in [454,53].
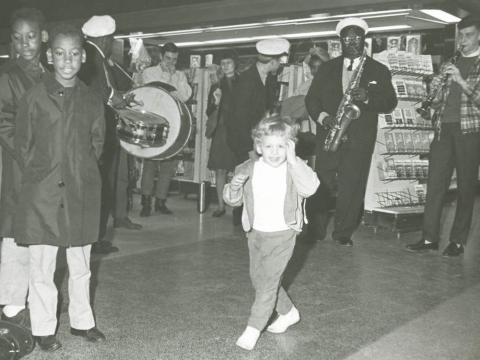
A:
[221,158]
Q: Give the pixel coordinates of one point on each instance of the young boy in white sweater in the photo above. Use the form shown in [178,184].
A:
[272,189]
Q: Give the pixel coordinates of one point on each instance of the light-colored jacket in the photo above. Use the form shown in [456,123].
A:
[302,182]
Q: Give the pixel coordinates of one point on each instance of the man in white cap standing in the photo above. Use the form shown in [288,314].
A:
[345,171]
[107,78]
[254,96]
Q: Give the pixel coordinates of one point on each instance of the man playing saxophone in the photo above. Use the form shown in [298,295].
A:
[456,144]
[344,171]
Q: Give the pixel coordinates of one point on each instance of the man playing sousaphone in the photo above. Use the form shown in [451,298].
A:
[344,172]
[109,80]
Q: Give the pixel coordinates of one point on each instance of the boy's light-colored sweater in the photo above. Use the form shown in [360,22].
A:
[302,182]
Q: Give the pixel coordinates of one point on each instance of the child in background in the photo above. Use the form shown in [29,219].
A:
[17,76]
[59,138]
[272,190]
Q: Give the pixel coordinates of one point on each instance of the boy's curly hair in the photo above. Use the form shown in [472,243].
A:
[275,125]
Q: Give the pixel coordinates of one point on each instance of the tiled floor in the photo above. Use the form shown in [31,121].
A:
[179,289]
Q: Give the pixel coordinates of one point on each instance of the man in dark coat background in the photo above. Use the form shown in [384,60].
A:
[345,172]
[107,78]
[254,95]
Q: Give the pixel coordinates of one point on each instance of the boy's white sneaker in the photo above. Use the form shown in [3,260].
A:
[283,322]
[249,338]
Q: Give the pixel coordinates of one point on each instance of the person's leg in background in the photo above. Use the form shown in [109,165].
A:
[166,172]
[467,151]
[147,184]
[14,273]
[103,246]
[220,180]
[121,182]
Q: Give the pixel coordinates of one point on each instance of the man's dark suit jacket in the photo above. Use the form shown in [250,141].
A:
[251,100]
[326,93]
[93,74]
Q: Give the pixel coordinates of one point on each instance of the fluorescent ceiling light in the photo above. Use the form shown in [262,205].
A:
[4,56]
[287,36]
[442,15]
[389,28]
[299,21]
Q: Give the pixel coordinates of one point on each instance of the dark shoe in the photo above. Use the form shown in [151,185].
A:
[161,207]
[91,335]
[103,247]
[126,223]
[345,241]
[48,343]
[422,246]
[453,249]
[21,319]
[146,206]
[218,213]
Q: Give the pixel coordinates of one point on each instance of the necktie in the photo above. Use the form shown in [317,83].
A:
[349,68]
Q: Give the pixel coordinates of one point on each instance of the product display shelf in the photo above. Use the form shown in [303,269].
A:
[396,187]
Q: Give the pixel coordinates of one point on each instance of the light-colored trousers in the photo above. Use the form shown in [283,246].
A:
[43,295]
[269,253]
[14,272]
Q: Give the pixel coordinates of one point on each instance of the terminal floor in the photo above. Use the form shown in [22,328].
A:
[179,289]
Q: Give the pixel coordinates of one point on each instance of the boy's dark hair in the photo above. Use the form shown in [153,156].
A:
[169,47]
[468,21]
[28,14]
[65,29]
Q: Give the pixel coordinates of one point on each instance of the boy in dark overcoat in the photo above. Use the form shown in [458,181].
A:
[59,139]
[16,77]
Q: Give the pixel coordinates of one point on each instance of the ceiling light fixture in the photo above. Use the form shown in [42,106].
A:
[287,36]
[305,21]
[442,15]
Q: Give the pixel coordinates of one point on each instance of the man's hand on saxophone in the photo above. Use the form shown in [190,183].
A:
[326,120]
[359,94]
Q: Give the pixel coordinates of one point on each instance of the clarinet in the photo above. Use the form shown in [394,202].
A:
[424,109]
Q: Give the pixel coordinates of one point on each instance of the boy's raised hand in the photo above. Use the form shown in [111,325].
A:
[291,156]
[238,181]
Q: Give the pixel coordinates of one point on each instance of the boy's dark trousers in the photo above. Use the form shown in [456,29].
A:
[451,150]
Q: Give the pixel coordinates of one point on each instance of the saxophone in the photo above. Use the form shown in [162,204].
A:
[347,111]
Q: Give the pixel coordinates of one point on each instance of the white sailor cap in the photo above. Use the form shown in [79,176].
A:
[273,47]
[351,21]
[98,26]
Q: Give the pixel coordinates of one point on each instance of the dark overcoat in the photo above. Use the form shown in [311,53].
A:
[59,139]
[251,100]
[16,77]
